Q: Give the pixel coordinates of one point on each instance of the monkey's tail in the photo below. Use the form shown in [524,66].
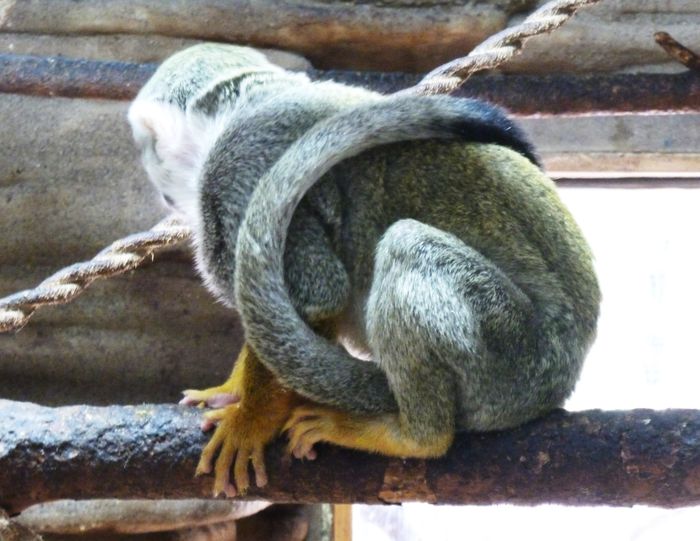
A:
[302,360]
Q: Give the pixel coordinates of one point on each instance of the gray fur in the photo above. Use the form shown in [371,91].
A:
[419,225]
[439,315]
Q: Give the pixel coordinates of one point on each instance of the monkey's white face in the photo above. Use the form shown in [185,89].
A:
[153,164]
[172,152]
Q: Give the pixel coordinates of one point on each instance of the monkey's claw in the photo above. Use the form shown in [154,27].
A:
[239,438]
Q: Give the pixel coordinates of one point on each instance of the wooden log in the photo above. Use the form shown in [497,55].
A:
[564,94]
[585,458]
[330,33]
[133,516]
[377,34]
[526,95]
[72,78]
[121,47]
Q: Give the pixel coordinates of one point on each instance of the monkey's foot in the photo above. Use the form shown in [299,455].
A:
[310,425]
[213,397]
[240,437]
[382,434]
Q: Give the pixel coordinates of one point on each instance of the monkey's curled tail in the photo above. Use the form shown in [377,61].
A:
[302,360]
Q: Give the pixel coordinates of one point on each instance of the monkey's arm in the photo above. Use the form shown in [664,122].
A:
[253,405]
[317,281]
[318,286]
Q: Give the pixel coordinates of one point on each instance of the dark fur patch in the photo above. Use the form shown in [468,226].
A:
[487,123]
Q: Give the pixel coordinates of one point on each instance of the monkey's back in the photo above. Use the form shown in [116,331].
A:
[489,196]
[492,198]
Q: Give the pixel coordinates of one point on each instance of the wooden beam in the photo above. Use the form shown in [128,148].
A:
[342,522]
[372,34]
[586,458]
[615,165]
[369,34]
[528,95]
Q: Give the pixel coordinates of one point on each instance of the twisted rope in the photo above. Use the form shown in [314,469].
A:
[128,253]
[123,255]
[497,49]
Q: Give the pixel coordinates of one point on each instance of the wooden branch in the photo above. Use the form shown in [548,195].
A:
[72,78]
[678,51]
[587,458]
[396,35]
[520,94]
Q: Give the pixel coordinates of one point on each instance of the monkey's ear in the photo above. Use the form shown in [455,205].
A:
[160,127]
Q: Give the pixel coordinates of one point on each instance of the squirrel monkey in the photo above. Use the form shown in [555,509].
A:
[420,230]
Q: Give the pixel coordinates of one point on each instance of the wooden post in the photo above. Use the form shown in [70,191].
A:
[342,522]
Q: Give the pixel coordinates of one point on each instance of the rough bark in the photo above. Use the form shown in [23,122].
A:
[587,458]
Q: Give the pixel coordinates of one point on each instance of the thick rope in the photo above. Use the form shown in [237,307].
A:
[497,49]
[123,255]
[128,253]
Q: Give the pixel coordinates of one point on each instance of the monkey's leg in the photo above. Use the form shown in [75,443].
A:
[243,429]
[435,310]
[383,434]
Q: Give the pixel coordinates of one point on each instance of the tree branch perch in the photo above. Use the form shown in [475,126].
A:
[150,451]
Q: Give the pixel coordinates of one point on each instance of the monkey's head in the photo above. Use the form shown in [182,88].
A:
[177,115]
[191,74]
[171,152]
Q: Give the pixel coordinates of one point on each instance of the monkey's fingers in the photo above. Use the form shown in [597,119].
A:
[304,446]
[306,433]
[222,469]
[207,457]
[302,413]
[214,397]
[240,470]
[302,420]
[302,440]
[212,418]
[258,459]
[240,437]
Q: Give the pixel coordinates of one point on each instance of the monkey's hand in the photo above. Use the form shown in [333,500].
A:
[213,397]
[222,395]
[383,434]
[240,437]
[255,408]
